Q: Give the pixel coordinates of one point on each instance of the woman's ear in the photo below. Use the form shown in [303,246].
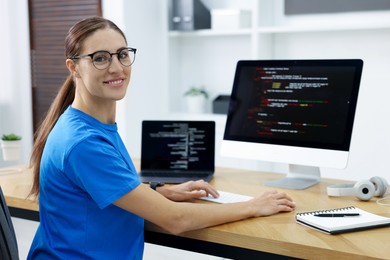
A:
[71,65]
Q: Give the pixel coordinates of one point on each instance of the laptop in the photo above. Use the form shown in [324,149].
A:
[177,151]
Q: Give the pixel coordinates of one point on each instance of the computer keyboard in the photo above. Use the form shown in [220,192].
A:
[227,197]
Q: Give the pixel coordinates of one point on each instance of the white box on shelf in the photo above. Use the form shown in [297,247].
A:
[230,19]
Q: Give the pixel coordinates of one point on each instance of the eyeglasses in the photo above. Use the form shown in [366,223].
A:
[102,59]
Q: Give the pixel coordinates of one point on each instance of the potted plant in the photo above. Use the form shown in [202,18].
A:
[11,146]
[196,99]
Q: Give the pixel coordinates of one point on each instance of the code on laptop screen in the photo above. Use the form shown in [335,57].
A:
[178,145]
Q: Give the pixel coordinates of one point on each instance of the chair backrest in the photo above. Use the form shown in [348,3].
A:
[8,242]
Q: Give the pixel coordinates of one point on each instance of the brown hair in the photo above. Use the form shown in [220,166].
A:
[73,45]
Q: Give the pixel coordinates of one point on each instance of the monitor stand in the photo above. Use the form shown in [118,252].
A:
[299,177]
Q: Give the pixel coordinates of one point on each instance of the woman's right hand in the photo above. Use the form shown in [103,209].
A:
[271,202]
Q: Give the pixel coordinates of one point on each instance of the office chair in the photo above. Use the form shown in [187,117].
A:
[8,243]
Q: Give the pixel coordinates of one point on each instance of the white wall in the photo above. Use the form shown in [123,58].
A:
[15,87]
[145,24]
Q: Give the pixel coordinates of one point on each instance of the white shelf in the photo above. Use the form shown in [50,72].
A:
[209,33]
[331,28]
[200,116]
[277,30]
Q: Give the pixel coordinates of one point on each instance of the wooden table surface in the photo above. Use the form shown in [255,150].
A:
[278,234]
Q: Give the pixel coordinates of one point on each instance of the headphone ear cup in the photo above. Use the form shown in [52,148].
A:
[364,190]
[380,184]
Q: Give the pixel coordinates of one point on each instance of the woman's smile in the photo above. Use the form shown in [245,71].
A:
[114,82]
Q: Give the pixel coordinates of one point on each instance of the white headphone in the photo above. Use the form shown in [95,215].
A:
[364,190]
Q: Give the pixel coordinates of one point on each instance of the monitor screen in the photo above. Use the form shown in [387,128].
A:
[280,108]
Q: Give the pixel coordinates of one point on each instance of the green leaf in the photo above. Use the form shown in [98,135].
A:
[11,137]
[195,91]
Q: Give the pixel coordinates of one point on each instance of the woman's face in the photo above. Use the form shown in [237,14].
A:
[109,84]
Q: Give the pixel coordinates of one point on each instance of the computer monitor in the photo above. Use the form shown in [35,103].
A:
[299,112]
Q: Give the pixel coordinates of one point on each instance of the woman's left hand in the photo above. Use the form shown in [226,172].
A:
[188,191]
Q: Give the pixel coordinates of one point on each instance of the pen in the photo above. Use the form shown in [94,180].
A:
[338,215]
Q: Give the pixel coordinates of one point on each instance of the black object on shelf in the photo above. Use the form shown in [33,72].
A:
[221,104]
[190,15]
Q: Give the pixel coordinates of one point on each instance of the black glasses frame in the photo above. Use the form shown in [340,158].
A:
[133,50]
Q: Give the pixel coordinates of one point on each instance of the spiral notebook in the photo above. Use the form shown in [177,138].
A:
[341,220]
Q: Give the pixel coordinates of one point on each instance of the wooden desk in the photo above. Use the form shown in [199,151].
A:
[251,238]
[16,187]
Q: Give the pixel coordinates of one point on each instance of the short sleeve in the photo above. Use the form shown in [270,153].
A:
[102,170]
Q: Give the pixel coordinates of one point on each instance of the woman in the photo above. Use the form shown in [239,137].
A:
[92,204]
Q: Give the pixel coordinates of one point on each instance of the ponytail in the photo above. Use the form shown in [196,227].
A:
[73,44]
[63,99]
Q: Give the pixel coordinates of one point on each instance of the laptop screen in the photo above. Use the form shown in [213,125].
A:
[178,145]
